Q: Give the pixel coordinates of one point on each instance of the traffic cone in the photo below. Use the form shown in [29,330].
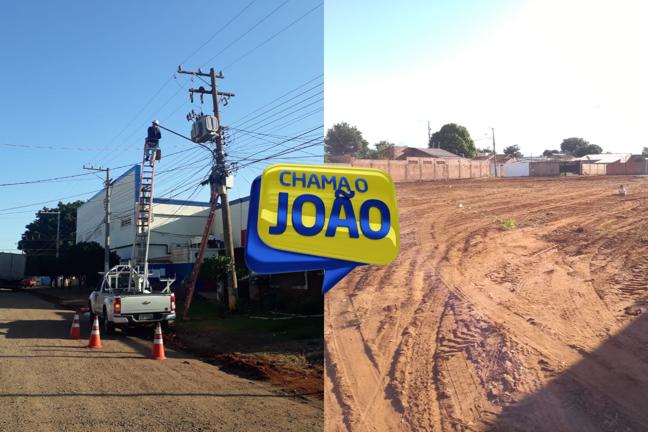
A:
[158,344]
[95,338]
[75,331]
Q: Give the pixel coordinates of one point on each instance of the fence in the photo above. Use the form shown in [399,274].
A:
[593,169]
[418,169]
[544,169]
[639,167]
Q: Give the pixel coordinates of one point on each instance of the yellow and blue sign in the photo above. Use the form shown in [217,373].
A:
[309,217]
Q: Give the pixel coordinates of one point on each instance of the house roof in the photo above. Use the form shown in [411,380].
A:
[434,152]
[606,158]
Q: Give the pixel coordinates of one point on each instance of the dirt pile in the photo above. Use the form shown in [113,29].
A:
[522,309]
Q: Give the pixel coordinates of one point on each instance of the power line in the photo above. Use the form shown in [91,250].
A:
[282,142]
[173,76]
[219,31]
[273,36]
[258,23]
[57,148]
[276,99]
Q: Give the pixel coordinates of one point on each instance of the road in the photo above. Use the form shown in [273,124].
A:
[514,305]
[51,383]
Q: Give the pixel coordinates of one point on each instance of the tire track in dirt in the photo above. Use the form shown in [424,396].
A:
[472,346]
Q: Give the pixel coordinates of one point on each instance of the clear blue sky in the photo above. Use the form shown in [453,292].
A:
[86,78]
[537,71]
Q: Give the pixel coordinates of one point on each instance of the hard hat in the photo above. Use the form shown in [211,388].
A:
[155,122]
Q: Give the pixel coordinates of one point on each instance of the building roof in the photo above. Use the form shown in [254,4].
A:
[606,158]
[437,152]
[401,152]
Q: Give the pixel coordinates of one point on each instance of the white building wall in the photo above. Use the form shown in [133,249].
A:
[516,169]
[239,215]
[174,222]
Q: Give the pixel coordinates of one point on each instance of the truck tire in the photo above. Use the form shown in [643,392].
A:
[165,326]
[107,326]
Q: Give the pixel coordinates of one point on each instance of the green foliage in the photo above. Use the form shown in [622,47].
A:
[644,152]
[549,153]
[215,268]
[455,139]
[86,258]
[590,149]
[513,150]
[344,139]
[509,223]
[40,235]
[382,150]
[485,150]
[39,244]
[579,147]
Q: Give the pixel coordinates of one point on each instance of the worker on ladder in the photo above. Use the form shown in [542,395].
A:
[153,141]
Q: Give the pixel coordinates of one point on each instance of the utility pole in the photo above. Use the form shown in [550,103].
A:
[58,228]
[107,215]
[429,133]
[218,187]
[494,151]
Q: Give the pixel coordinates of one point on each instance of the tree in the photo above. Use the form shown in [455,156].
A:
[85,258]
[513,150]
[39,244]
[549,153]
[579,147]
[215,268]
[485,150]
[455,139]
[644,152]
[383,150]
[40,235]
[570,145]
[588,150]
[343,139]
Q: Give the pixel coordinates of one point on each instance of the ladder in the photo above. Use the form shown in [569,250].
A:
[144,211]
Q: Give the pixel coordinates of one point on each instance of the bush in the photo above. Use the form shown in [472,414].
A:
[509,223]
[215,268]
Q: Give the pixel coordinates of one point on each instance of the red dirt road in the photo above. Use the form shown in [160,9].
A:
[482,326]
[51,383]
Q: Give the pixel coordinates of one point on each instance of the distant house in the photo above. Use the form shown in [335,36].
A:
[496,162]
[402,153]
[560,156]
[606,158]
[518,167]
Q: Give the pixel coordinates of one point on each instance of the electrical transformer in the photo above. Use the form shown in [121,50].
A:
[204,129]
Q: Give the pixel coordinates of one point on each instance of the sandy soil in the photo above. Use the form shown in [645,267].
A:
[51,383]
[481,326]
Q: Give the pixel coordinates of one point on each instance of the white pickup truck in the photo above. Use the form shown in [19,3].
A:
[124,299]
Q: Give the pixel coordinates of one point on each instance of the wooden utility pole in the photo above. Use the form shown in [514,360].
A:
[494,152]
[218,188]
[106,216]
[58,228]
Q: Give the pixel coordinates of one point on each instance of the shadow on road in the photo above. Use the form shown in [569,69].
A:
[137,395]
[17,300]
[87,357]
[606,391]
[35,329]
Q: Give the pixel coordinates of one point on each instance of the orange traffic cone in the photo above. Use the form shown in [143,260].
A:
[158,344]
[75,331]
[95,338]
